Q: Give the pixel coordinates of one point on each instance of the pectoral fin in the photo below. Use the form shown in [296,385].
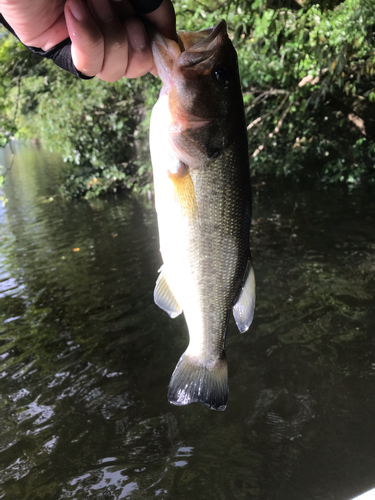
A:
[164,297]
[243,311]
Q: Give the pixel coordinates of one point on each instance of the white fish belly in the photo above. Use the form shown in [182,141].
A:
[173,223]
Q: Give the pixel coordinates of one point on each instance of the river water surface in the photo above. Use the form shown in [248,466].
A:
[86,356]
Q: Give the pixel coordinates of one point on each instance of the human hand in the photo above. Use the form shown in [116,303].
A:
[108,40]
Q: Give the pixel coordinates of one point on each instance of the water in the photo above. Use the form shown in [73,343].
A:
[86,356]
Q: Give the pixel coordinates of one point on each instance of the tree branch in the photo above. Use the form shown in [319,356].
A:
[275,131]
[261,118]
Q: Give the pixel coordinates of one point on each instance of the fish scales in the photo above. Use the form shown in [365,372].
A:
[203,200]
[220,251]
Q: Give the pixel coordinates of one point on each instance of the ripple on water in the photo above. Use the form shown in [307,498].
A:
[85,355]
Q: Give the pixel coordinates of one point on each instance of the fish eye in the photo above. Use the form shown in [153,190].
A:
[222,74]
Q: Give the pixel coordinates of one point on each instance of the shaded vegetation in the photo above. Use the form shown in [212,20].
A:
[307,72]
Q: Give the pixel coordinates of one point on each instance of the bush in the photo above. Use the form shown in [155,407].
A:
[307,72]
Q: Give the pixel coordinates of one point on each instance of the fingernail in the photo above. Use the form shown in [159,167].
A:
[78,9]
[136,37]
[103,9]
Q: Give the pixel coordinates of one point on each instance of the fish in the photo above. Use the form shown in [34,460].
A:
[199,154]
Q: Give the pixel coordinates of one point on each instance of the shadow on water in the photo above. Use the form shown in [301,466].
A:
[86,356]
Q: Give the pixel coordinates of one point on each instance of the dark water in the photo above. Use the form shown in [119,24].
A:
[86,356]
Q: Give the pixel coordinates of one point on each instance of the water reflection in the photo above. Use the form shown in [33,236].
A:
[85,355]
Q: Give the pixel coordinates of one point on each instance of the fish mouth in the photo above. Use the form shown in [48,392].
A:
[199,49]
[193,49]
[203,40]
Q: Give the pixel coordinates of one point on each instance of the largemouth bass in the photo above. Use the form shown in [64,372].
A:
[203,201]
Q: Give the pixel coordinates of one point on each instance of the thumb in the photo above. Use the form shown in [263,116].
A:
[164,19]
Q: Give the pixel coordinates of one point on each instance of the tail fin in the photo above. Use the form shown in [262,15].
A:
[195,383]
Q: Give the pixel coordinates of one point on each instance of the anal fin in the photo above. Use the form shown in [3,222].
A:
[164,297]
[243,310]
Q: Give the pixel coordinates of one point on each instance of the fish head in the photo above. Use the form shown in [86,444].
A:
[200,76]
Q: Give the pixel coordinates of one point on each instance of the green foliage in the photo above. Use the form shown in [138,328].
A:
[96,127]
[307,72]
[13,62]
[308,77]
